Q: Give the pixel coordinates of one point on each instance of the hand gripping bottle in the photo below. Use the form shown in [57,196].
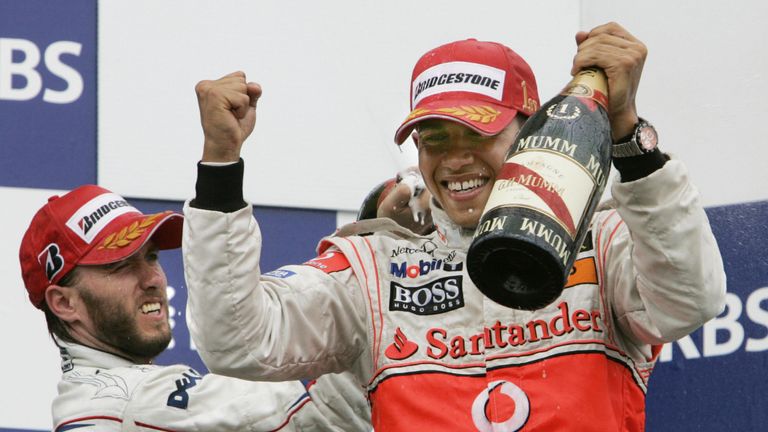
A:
[544,197]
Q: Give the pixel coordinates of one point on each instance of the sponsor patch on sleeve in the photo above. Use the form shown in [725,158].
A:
[179,398]
[329,262]
[280,273]
[583,272]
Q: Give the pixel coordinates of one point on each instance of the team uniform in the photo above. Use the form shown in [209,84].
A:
[100,391]
[399,311]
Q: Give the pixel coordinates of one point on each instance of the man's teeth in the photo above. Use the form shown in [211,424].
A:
[150,307]
[456,186]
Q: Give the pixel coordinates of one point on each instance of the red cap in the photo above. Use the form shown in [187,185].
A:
[482,85]
[88,226]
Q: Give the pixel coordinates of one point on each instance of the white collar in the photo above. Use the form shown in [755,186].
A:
[76,354]
[448,231]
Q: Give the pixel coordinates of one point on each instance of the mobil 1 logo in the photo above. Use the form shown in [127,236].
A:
[437,296]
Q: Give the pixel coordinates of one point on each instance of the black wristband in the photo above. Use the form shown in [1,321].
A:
[636,167]
[219,188]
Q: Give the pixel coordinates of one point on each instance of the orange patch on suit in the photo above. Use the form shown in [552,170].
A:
[584,271]
[329,262]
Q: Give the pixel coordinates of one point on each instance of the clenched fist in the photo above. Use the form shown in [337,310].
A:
[228,115]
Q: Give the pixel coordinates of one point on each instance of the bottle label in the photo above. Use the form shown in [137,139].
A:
[545,181]
[591,84]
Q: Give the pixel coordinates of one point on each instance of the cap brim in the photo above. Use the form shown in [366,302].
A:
[484,118]
[131,233]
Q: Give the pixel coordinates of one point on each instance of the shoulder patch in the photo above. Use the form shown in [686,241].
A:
[584,271]
[329,262]
[280,273]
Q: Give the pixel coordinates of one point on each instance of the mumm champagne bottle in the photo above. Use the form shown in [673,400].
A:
[544,196]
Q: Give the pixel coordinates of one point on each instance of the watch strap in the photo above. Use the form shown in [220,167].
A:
[626,149]
[630,146]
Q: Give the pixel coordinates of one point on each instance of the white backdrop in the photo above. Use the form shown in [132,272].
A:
[335,75]
[703,86]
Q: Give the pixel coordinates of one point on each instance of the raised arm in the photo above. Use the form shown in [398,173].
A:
[658,258]
[246,324]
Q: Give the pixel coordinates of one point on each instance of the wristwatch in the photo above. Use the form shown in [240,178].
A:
[642,141]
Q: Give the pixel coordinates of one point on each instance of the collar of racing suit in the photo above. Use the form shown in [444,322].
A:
[448,231]
[75,354]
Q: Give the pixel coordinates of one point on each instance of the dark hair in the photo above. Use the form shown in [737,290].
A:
[370,204]
[57,327]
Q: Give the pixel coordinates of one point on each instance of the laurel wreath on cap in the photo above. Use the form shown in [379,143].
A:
[125,236]
[482,114]
[475,113]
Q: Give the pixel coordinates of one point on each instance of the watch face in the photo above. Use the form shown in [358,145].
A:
[647,138]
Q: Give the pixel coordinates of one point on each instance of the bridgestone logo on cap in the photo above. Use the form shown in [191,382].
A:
[96,214]
[459,76]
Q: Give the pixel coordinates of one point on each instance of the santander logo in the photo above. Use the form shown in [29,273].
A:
[402,348]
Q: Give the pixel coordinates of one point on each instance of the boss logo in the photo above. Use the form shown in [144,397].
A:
[438,296]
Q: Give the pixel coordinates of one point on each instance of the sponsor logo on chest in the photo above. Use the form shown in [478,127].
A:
[566,323]
[434,297]
[403,269]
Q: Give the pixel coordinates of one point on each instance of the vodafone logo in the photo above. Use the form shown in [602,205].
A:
[503,407]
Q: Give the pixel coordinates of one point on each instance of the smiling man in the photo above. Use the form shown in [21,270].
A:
[89,261]
[397,308]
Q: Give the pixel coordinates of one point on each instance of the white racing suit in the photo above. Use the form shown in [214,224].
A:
[400,312]
[100,391]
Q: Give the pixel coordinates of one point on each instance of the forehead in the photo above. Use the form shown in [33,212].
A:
[429,125]
[148,247]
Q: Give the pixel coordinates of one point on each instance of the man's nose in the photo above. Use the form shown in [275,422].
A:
[152,276]
[458,156]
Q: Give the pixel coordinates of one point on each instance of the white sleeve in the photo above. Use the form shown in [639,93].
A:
[660,261]
[177,398]
[252,326]
[341,400]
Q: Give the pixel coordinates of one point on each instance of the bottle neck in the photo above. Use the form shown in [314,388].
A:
[589,83]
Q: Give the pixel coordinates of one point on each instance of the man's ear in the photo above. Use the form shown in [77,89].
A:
[415,138]
[61,302]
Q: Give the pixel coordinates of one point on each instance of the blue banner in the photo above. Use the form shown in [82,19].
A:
[714,380]
[47,93]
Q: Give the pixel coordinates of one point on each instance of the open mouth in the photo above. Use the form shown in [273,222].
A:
[465,185]
[151,308]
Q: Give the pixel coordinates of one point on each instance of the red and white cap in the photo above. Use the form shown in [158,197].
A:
[482,85]
[88,226]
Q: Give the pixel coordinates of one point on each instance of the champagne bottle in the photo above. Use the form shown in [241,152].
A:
[544,197]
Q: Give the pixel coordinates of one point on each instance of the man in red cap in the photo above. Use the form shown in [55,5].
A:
[398,309]
[89,260]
